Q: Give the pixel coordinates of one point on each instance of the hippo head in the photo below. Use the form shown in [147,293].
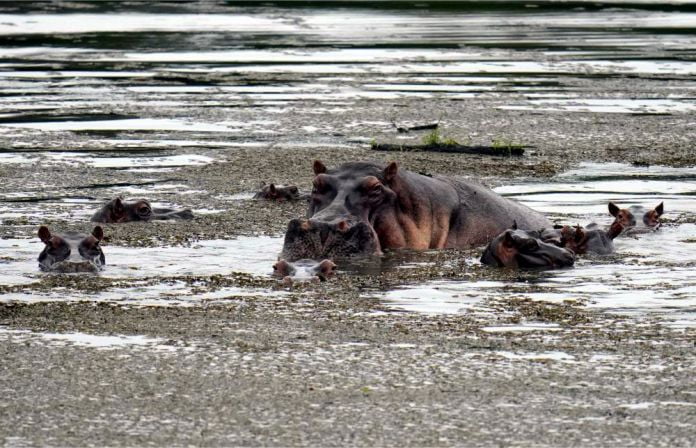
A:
[651,218]
[117,210]
[574,238]
[343,206]
[71,252]
[520,249]
[622,215]
[278,193]
[581,240]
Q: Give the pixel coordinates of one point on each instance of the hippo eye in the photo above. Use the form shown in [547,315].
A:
[143,210]
[375,191]
[531,244]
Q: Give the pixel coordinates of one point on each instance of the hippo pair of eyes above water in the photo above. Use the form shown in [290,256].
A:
[279,193]
[118,211]
[71,251]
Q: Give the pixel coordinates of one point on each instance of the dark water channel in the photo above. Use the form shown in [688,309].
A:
[137,93]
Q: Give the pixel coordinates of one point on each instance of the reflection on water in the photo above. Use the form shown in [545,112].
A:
[179,61]
[584,193]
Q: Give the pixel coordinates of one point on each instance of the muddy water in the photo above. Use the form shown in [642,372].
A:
[139,96]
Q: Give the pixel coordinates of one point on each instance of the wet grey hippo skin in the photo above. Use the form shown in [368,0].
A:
[304,269]
[650,219]
[592,239]
[363,208]
[279,193]
[71,251]
[515,248]
[117,210]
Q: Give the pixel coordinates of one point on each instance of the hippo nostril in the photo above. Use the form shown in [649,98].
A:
[343,226]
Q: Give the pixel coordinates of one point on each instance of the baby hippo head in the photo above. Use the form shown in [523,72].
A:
[71,252]
[627,216]
[651,218]
[622,215]
[520,249]
[305,269]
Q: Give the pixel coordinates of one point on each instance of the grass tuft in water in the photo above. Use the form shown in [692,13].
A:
[435,139]
[505,145]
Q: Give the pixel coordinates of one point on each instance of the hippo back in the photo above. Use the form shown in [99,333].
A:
[483,214]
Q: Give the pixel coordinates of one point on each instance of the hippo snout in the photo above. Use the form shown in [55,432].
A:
[71,267]
[316,239]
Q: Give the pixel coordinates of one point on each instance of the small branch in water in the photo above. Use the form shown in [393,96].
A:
[506,151]
[422,127]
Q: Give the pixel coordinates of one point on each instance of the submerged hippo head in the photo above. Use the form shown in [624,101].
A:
[305,269]
[622,215]
[71,251]
[627,216]
[316,239]
[343,207]
[651,218]
[278,193]
[117,211]
[520,249]
[590,240]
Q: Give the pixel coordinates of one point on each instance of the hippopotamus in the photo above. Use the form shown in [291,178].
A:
[591,239]
[363,208]
[71,251]
[279,193]
[304,270]
[117,211]
[516,248]
[627,217]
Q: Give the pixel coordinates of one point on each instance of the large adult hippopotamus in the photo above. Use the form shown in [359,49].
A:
[364,208]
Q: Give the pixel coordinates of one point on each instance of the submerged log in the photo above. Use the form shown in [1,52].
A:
[422,127]
[505,151]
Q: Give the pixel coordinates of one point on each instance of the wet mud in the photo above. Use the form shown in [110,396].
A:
[186,338]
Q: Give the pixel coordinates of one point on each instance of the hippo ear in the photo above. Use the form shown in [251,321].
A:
[390,172]
[514,225]
[325,269]
[272,189]
[508,240]
[660,209]
[118,205]
[44,234]
[613,209]
[319,167]
[98,233]
[579,234]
